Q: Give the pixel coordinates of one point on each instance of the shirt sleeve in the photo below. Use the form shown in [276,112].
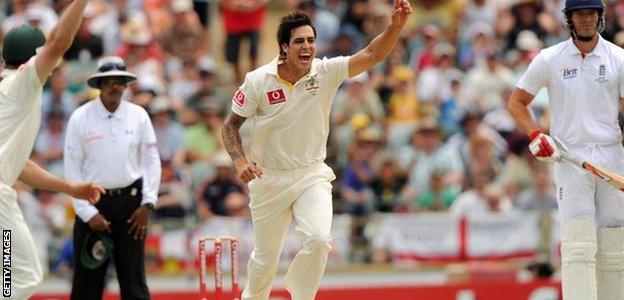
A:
[535,78]
[73,157]
[337,69]
[150,163]
[25,85]
[245,101]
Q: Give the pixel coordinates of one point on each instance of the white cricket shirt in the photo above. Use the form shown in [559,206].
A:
[583,93]
[292,122]
[20,117]
[111,149]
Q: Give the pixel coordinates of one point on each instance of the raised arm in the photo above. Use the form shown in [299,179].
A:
[234,146]
[381,46]
[60,39]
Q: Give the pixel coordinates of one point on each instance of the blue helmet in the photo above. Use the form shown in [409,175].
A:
[571,5]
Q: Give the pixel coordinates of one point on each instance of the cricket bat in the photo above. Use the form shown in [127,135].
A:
[603,174]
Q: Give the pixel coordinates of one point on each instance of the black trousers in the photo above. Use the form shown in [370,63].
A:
[128,253]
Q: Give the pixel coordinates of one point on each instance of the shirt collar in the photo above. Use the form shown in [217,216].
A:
[272,67]
[599,49]
[119,114]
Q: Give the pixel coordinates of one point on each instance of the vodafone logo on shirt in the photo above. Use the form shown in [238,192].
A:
[276,96]
[239,98]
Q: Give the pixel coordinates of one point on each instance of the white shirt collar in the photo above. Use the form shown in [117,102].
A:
[118,114]
[599,49]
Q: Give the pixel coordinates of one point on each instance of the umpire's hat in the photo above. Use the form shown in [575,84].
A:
[110,66]
[21,43]
[96,248]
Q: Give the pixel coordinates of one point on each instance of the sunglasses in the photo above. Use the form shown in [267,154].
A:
[112,66]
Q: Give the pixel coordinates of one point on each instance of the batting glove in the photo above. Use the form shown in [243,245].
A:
[544,147]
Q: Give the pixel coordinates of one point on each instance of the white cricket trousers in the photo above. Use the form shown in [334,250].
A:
[26,271]
[276,198]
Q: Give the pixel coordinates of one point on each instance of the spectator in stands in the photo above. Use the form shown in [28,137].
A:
[50,142]
[169,133]
[425,155]
[57,96]
[540,195]
[486,83]
[434,83]
[527,15]
[355,185]
[202,139]
[174,195]
[183,39]
[439,196]
[357,98]
[482,198]
[387,184]
[242,20]
[87,46]
[213,193]
[324,21]
[403,108]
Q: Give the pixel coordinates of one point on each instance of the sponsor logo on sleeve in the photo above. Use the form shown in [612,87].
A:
[276,96]
[239,98]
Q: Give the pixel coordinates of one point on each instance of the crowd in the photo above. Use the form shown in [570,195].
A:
[427,130]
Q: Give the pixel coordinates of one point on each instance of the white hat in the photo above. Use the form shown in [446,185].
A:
[528,41]
[110,66]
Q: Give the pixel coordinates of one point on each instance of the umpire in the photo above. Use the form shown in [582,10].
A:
[112,143]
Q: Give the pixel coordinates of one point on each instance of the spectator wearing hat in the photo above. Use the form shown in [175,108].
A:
[426,154]
[202,139]
[113,143]
[49,143]
[169,133]
[403,108]
[486,83]
[214,191]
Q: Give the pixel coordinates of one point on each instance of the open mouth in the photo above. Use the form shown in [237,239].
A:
[305,57]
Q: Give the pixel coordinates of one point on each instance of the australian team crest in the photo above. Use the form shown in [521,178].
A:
[311,85]
[569,73]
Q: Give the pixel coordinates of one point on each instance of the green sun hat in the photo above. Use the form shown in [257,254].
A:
[96,249]
[21,43]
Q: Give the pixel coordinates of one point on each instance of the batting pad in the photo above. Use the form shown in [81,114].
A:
[578,253]
[610,263]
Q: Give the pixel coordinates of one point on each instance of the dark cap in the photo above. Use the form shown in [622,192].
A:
[96,249]
[21,43]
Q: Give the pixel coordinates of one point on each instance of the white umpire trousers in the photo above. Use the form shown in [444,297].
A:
[26,271]
[276,198]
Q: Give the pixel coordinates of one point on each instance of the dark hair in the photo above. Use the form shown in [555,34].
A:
[288,24]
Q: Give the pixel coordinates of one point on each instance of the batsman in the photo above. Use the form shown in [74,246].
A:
[290,98]
[584,77]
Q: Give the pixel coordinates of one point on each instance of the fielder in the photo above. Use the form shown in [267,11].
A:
[584,77]
[290,98]
[26,70]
